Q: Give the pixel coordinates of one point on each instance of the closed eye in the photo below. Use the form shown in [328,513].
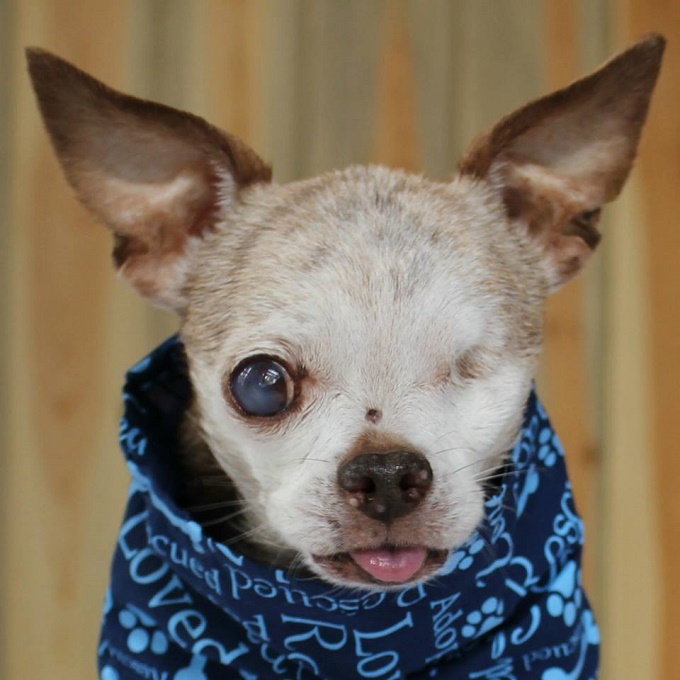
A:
[471,364]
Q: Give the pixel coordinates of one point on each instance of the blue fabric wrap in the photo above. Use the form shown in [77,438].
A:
[508,605]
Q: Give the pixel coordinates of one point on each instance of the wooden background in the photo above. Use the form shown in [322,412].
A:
[314,85]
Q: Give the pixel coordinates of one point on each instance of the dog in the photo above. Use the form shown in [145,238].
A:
[340,468]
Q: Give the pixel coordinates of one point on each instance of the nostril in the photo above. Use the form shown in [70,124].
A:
[356,478]
[416,483]
[362,484]
[360,488]
[421,479]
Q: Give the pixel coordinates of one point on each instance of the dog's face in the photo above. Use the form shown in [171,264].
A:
[360,313]
[361,345]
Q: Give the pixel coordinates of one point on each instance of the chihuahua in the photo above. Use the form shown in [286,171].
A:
[359,443]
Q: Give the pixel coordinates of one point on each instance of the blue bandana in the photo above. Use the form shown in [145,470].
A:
[507,606]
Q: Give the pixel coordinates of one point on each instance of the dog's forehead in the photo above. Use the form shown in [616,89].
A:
[373,252]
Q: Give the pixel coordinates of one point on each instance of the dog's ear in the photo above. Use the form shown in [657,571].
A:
[156,176]
[559,159]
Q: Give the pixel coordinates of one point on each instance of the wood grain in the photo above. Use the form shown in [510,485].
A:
[565,365]
[6,89]
[630,587]
[62,469]
[396,134]
[659,171]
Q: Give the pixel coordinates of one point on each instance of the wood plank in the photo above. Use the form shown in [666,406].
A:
[63,471]
[629,606]
[319,96]
[659,173]
[6,91]
[229,63]
[565,364]
[396,142]
[161,66]
[473,62]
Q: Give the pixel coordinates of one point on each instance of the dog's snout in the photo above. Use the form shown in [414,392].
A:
[386,486]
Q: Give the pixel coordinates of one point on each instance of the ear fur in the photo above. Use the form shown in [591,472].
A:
[156,176]
[559,159]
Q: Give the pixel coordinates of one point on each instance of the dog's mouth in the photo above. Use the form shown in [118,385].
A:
[386,565]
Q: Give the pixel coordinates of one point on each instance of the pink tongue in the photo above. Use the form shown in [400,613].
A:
[394,566]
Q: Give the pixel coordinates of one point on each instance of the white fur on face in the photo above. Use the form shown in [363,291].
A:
[376,285]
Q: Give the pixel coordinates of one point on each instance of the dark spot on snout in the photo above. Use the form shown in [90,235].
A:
[385,486]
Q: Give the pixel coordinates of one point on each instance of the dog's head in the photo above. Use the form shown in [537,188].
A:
[361,344]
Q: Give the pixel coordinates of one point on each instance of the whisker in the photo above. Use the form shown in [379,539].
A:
[212,480]
[225,518]
[453,449]
[218,505]
[479,461]
[441,436]
[304,459]
[504,473]
[252,532]
[297,564]
[489,550]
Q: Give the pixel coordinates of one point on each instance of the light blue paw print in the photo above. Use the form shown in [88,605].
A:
[592,632]
[526,487]
[479,621]
[109,673]
[194,671]
[566,597]
[463,559]
[549,447]
[141,637]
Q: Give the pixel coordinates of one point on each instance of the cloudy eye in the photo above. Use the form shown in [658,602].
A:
[261,386]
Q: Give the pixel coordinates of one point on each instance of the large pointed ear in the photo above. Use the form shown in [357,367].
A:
[157,177]
[559,159]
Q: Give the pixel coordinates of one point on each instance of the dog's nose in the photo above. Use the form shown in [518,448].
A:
[386,486]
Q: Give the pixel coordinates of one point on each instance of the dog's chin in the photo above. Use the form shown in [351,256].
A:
[387,567]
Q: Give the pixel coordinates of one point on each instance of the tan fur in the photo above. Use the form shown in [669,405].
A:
[149,172]
[570,153]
